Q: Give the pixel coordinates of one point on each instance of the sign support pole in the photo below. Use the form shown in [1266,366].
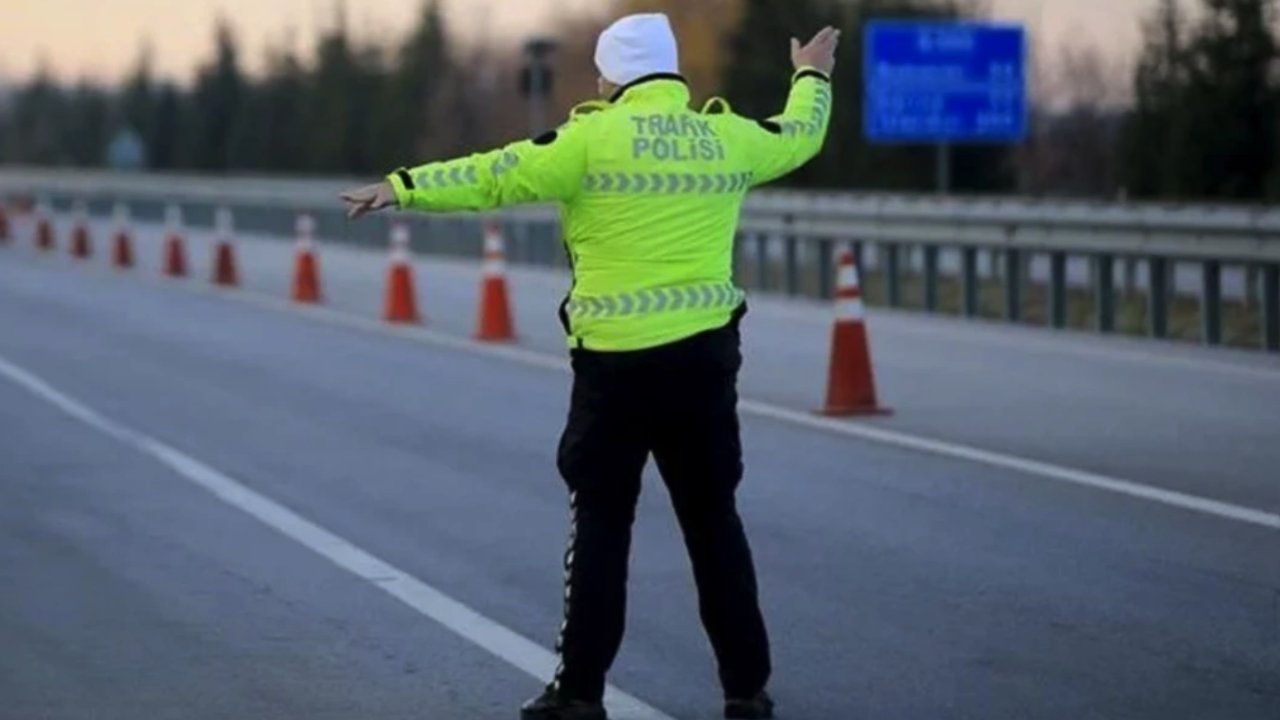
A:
[944,168]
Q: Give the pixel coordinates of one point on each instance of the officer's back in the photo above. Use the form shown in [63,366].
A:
[650,229]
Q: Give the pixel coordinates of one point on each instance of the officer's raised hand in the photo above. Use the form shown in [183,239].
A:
[369,198]
[820,53]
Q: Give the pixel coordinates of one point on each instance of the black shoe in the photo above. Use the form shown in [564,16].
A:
[550,706]
[759,707]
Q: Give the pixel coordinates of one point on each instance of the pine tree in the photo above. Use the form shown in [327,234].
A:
[136,104]
[1154,157]
[281,112]
[410,117]
[1233,97]
[216,105]
[39,113]
[86,125]
[1206,104]
[344,91]
[163,152]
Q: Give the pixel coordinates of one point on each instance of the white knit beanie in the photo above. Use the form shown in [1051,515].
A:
[636,46]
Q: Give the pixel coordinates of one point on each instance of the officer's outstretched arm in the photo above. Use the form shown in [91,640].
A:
[784,142]
[548,168]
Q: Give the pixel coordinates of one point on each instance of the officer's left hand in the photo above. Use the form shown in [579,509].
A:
[369,198]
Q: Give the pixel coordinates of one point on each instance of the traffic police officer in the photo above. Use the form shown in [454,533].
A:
[650,193]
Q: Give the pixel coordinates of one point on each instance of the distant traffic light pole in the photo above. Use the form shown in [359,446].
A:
[536,81]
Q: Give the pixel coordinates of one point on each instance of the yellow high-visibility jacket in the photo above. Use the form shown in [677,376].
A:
[649,193]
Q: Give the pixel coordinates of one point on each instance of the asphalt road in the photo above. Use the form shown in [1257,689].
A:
[1161,413]
[898,584]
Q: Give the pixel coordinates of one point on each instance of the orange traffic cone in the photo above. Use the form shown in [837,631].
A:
[121,243]
[851,385]
[494,322]
[401,304]
[224,251]
[306,268]
[4,222]
[175,253]
[80,244]
[44,227]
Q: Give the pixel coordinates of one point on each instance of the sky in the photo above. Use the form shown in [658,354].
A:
[99,39]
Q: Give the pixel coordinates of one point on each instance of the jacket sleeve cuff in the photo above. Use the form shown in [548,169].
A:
[402,183]
[812,72]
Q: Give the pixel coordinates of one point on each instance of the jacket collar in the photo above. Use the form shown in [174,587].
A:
[665,86]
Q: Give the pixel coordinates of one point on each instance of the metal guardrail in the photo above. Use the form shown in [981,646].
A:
[787,240]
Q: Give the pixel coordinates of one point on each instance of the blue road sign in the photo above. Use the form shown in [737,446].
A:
[943,82]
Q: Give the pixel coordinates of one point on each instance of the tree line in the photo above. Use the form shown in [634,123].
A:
[1197,118]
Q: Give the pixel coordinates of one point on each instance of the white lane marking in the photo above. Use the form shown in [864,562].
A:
[1026,466]
[1048,471]
[502,642]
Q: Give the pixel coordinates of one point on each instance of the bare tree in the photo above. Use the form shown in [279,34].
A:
[1073,148]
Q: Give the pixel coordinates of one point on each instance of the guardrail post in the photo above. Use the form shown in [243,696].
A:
[826,279]
[1105,320]
[969,281]
[792,265]
[762,261]
[516,245]
[1211,302]
[856,247]
[532,245]
[1058,289]
[739,279]
[531,242]
[931,278]
[1271,307]
[1158,298]
[1012,284]
[537,246]
[892,277]
[549,247]
[518,251]
[555,245]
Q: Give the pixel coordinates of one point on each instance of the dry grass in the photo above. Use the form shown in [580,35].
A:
[1241,322]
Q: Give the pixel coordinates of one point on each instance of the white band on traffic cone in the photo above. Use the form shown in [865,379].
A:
[850,310]
[120,214]
[305,228]
[399,243]
[847,277]
[495,261]
[493,242]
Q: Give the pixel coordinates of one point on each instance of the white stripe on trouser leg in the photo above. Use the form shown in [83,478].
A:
[848,276]
[569,555]
[850,309]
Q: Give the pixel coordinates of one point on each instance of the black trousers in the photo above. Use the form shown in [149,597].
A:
[679,403]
